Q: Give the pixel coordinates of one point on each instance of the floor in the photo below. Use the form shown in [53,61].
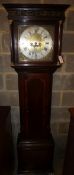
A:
[58,166]
[58,170]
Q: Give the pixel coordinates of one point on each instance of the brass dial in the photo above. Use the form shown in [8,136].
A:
[35,43]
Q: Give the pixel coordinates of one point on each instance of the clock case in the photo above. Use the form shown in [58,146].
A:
[35,144]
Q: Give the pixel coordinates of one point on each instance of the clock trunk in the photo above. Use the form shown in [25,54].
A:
[35,142]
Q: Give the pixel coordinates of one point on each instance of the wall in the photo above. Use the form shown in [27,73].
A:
[63,86]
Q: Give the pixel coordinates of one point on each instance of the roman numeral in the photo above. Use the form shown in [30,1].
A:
[45,49]
[47,43]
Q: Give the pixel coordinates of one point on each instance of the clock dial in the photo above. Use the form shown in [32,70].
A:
[35,43]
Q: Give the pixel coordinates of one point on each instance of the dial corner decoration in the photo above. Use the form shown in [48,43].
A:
[35,43]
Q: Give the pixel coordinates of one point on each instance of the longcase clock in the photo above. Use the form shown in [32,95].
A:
[36,42]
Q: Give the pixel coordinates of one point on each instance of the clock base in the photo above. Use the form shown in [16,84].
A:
[32,173]
[35,155]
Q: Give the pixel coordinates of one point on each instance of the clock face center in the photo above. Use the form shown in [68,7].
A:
[35,42]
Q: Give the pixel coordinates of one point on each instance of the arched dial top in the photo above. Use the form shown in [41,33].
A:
[35,43]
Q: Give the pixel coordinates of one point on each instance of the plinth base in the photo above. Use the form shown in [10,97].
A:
[35,156]
[37,173]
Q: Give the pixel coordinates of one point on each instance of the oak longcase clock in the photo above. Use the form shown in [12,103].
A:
[36,42]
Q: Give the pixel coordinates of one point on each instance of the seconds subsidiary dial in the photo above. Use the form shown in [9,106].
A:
[35,43]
